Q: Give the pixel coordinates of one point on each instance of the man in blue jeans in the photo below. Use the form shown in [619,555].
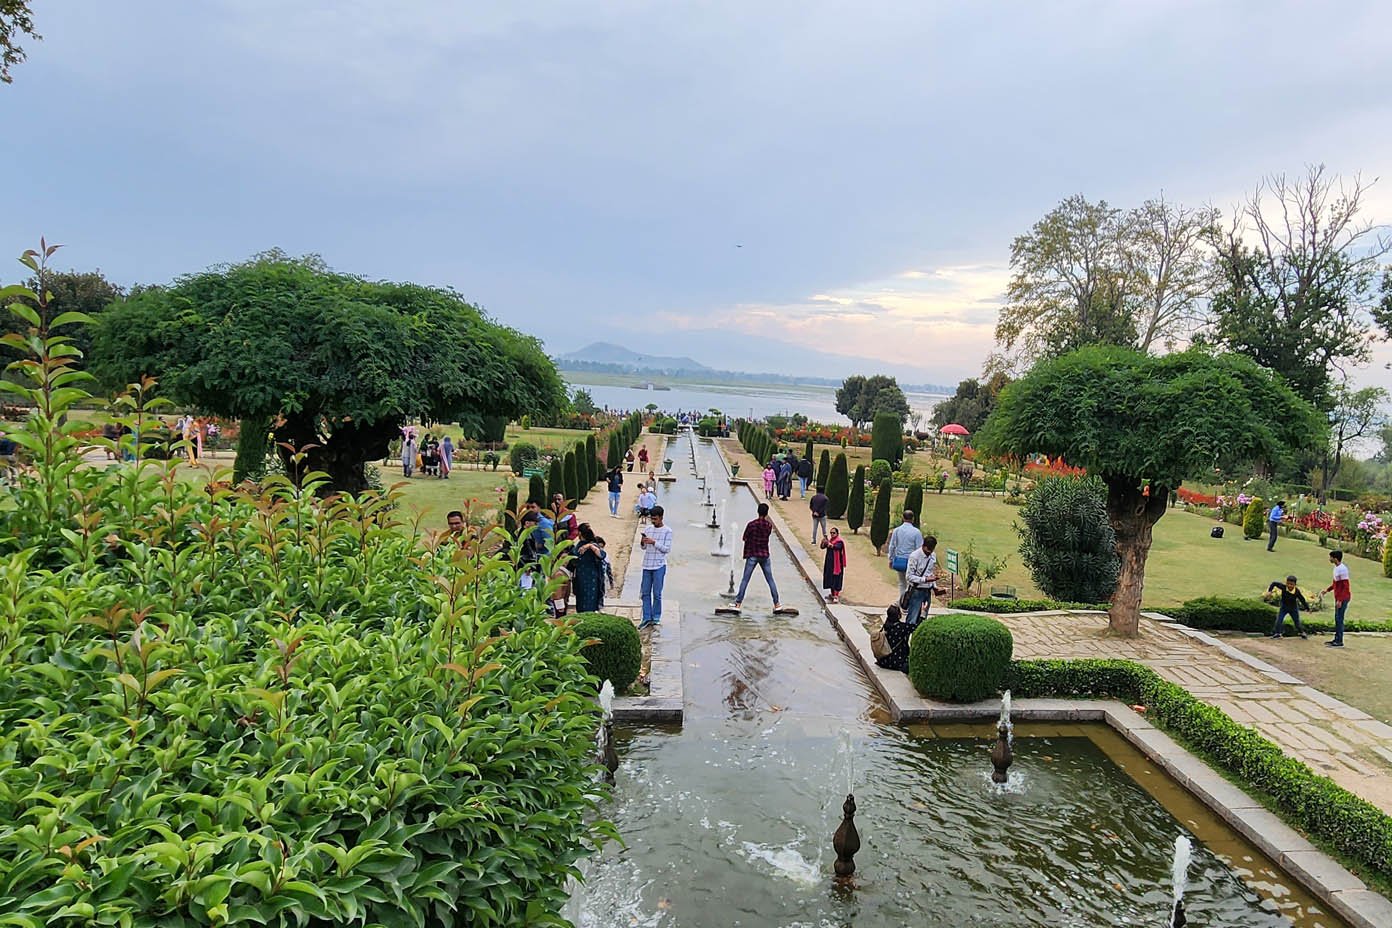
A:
[756,554]
[615,487]
[922,578]
[657,544]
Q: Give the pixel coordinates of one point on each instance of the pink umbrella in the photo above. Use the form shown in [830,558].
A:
[954,429]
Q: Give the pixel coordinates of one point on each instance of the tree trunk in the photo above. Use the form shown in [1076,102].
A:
[1133,515]
[341,454]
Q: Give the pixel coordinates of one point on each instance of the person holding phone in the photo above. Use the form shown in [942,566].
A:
[657,544]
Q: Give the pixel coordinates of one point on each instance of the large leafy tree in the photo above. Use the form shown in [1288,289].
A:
[1090,273]
[16,21]
[861,398]
[333,363]
[848,398]
[1298,276]
[970,406]
[86,292]
[1069,282]
[1143,425]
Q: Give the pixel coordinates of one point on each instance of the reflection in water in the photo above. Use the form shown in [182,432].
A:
[728,821]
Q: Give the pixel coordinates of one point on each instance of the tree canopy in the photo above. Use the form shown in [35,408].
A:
[1093,274]
[16,21]
[328,359]
[69,291]
[1300,281]
[860,398]
[1144,425]
[971,404]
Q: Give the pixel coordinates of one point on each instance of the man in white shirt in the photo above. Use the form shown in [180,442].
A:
[657,544]
[647,500]
[922,579]
[903,542]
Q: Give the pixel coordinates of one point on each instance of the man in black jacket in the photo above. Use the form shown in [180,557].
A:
[1292,601]
[804,472]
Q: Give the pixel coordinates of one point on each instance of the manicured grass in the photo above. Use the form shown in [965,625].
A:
[1184,562]
[564,439]
[429,498]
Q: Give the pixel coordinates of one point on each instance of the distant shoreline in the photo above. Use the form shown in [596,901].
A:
[717,380]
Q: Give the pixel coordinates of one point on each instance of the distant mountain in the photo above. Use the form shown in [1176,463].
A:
[609,353]
[608,358]
[744,359]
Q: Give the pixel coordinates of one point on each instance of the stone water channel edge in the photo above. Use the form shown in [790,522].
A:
[1317,872]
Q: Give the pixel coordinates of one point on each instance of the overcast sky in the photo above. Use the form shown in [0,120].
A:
[676,177]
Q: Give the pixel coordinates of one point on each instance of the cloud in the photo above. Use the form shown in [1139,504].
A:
[585,170]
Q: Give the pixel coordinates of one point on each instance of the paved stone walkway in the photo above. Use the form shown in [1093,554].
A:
[1345,744]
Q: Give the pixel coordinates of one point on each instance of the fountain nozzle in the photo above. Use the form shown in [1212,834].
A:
[846,841]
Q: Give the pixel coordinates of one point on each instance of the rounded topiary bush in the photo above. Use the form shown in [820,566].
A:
[617,654]
[961,658]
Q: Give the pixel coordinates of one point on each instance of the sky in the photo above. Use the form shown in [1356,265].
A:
[793,186]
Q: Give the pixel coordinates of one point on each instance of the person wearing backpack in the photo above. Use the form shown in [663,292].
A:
[903,542]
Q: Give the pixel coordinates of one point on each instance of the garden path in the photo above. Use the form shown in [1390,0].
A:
[1345,744]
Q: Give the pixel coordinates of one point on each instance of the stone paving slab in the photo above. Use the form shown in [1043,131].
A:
[664,702]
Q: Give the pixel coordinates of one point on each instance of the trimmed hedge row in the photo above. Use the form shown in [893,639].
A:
[1005,606]
[1315,803]
[961,658]
[1229,613]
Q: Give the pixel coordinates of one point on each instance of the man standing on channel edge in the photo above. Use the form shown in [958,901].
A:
[657,544]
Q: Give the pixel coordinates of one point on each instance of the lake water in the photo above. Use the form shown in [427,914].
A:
[754,401]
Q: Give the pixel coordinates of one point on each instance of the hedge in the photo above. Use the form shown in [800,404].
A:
[1227,613]
[616,652]
[1004,606]
[1354,826]
[961,658]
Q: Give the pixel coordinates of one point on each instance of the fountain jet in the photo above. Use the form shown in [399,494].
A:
[1183,852]
[1002,754]
[604,739]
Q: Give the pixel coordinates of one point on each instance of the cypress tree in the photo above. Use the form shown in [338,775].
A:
[807,451]
[913,500]
[572,478]
[592,458]
[555,481]
[615,455]
[887,439]
[879,519]
[510,510]
[582,473]
[536,490]
[855,514]
[824,470]
[838,488]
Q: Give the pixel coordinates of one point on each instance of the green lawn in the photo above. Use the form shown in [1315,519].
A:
[1184,562]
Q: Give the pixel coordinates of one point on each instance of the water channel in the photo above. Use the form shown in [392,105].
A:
[728,820]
